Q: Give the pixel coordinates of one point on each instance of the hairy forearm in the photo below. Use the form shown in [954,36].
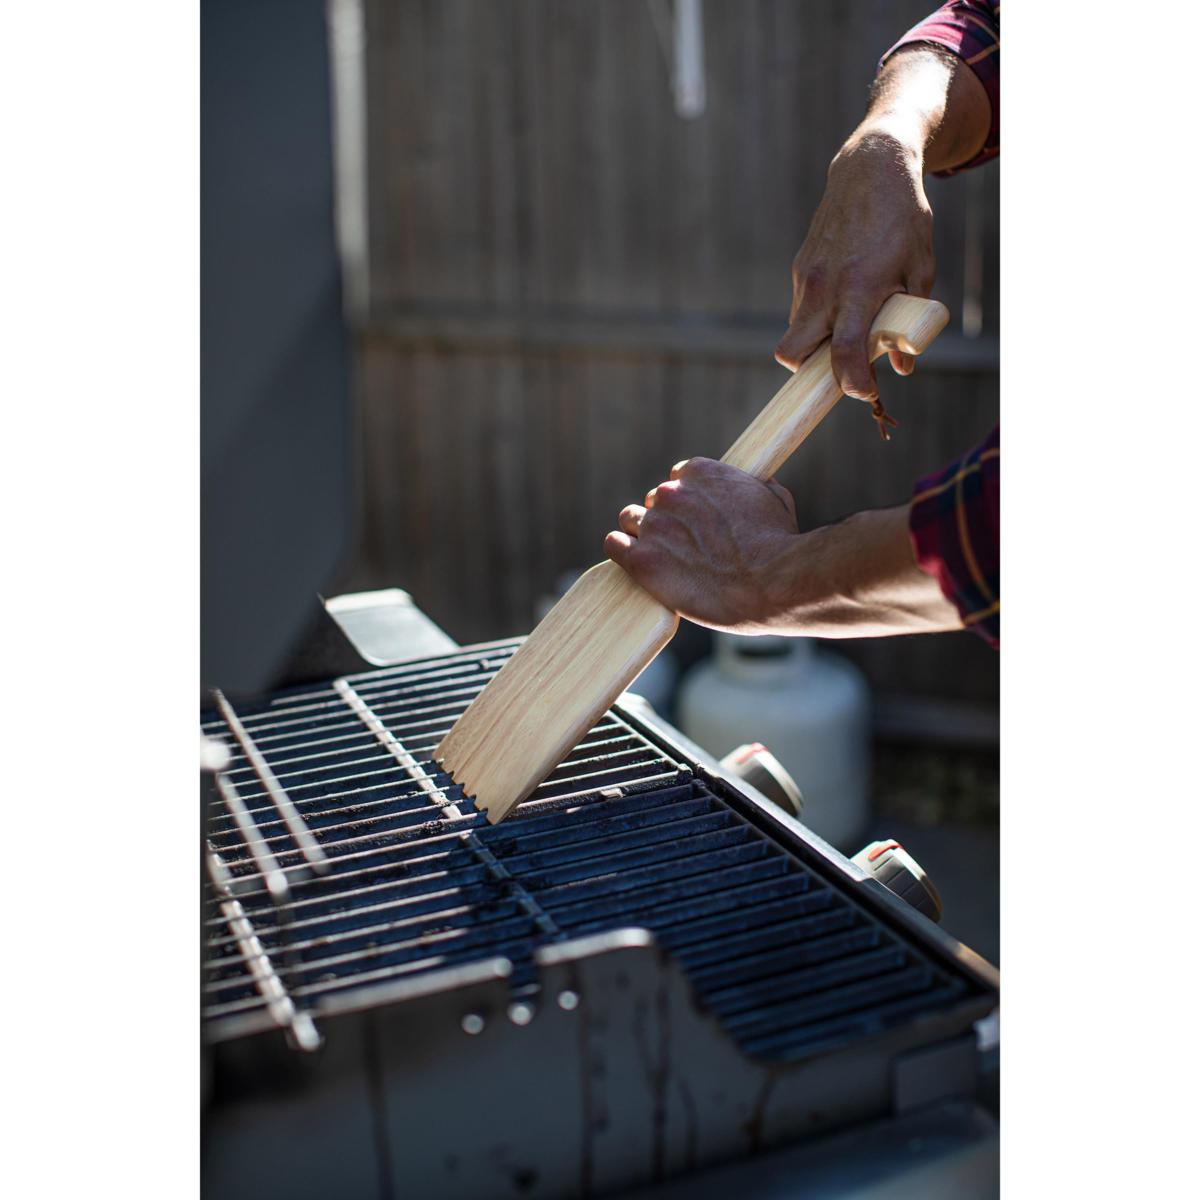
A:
[929,106]
[857,579]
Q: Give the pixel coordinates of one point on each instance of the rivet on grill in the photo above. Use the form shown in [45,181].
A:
[568,1000]
[520,1014]
[472,1023]
[613,793]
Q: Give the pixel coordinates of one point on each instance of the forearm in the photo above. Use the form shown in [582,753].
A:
[858,579]
[927,106]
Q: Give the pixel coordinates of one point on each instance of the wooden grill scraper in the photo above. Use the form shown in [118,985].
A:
[603,632]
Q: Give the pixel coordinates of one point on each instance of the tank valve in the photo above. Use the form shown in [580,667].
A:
[762,770]
[899,872]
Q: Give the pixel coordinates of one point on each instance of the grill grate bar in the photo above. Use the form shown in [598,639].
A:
[417,836]
[273,788]
[279,1004]
[789,1044]
[592,821]
[351,895]
[832,1003]
[396,748]
[826,937]
[359,736]
[298,727]
[629,746]
[472,661]
[450,703]
[761,934]
[413,946]
[416,819]
[314,701]
[556,803]
[273,877]
[786,897]
[540,917]
[454,904]
[806,980]
[386,775]
[443,724]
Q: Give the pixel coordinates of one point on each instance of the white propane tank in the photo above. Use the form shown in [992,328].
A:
[810,708]
[656,683]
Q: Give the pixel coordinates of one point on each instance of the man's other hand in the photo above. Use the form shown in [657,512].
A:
[711,543]
[871,237]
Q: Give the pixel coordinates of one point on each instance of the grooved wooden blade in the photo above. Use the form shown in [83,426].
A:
[587,650]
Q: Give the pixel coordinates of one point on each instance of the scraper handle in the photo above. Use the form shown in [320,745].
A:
[906,323]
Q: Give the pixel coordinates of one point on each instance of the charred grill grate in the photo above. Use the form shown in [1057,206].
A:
[389,872]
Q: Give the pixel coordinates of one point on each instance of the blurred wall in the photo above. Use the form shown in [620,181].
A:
[570,288]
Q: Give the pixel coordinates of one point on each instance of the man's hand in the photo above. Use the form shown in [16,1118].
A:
[722,549]
[710,544]
[872,235]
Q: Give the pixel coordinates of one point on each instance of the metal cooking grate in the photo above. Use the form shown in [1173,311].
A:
[340,856]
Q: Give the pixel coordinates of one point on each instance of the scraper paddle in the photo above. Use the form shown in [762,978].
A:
[603,632]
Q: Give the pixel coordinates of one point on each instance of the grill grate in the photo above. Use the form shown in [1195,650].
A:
[412,879]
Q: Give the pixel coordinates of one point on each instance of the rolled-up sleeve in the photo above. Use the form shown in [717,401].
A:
[969,29]
[954,521]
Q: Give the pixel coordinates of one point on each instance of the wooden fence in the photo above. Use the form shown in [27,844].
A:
[571,288]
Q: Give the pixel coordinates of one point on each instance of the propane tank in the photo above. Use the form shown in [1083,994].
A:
[809,707]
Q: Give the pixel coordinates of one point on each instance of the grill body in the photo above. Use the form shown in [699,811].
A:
[646,969]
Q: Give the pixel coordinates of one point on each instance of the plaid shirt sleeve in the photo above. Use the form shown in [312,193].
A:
[971,30]
[954,521]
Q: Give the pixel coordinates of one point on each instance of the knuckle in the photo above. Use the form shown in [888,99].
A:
[642,556]
[847,346]
[816,278]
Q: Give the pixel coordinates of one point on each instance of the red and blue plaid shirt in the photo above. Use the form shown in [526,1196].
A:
[969,29]
[954,516]
[954,520]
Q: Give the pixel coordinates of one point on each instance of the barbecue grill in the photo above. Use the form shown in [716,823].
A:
[647,969]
